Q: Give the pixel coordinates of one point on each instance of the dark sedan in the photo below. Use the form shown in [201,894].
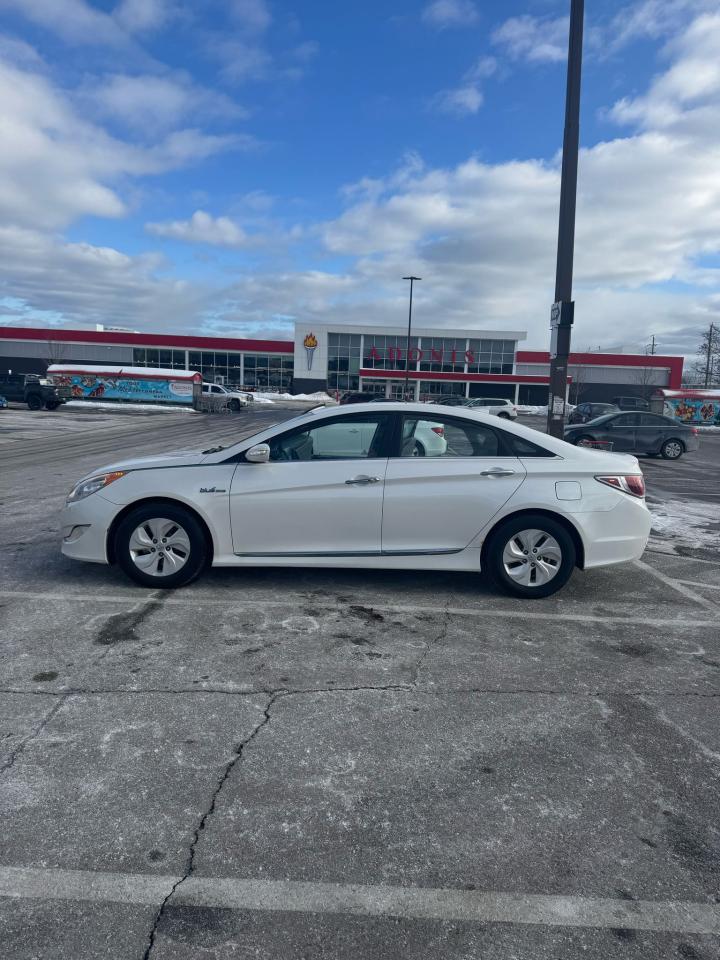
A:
[590,411]
[648,433]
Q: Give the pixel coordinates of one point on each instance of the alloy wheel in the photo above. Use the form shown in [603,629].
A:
[159,547]
[532,557]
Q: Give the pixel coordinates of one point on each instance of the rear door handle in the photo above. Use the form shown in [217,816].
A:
[364,480]
[497,472]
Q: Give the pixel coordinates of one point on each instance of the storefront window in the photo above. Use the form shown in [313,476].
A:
[343,361]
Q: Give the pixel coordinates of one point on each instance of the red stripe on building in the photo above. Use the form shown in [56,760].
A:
[168,341]
[673,364]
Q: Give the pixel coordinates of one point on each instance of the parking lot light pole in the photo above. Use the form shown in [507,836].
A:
[407,348]
[561,316]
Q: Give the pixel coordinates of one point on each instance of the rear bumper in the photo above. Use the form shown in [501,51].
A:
[617,535]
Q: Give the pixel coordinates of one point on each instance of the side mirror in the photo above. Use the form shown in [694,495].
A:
[260,453]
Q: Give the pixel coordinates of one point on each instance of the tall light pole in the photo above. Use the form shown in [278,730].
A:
[561,316]
[407,346]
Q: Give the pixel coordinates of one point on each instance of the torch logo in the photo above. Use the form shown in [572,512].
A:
[310,343]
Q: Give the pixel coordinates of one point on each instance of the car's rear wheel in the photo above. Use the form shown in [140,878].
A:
[418,449]
[530,556]
[34,402]
[672,449]
[504,416]
[234,405]
[160,545]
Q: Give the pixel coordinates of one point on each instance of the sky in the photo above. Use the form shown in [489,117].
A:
[225,168]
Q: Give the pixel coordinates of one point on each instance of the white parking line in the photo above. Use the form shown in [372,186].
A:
[678,587]
[668,916]
[478,613]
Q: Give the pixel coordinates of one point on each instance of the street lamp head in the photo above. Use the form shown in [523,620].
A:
[412,278]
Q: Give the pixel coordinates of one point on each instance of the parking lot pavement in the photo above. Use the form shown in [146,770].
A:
[343,764]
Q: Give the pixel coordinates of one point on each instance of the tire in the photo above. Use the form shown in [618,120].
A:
[139,532]
[504,556]
[234,405]
[34,402]
[504,416]
[672,449]
[584,440]
[418,450]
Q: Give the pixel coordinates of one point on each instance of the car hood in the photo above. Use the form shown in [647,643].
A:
[178,458]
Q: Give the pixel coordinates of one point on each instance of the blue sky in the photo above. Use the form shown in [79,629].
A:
[225,166]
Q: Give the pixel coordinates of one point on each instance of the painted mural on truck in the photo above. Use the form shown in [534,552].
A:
[704,411]
[92,386]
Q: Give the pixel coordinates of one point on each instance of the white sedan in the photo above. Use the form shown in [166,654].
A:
[348,488]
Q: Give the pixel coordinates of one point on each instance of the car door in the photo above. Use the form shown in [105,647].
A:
[440,501]
[320,494]
[650,432]
[622,431]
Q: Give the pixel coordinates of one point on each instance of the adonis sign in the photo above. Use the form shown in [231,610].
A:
[395,354]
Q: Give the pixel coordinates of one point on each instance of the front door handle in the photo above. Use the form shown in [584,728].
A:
[364,480]
[497,472]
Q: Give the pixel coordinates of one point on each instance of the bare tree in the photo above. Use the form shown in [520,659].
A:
[579,383]
[54,352]
[646,377]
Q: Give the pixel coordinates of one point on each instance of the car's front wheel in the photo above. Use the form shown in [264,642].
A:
[672,449]
[530,556]
[161,545]
[234,405]
[34,402]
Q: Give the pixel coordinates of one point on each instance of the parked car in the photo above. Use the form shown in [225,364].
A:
[35,391]
[3,403]
[589,411]
[357,396]
[649,433]
[495,405]
[451,400]
[233,399]
[631,403]
[347,488]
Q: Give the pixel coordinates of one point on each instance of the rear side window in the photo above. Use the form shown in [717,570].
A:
[652,420]
[525,448]
[441,437]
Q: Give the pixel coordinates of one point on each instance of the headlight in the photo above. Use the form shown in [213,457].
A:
[93,484]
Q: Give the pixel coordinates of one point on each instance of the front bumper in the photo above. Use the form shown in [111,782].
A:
[84,528]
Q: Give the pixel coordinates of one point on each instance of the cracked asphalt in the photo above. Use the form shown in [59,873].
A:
[358,730]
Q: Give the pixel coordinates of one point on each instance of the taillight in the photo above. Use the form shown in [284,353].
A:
[440,431]
[634,483]
[694,431]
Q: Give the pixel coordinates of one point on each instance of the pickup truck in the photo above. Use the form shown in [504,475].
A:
[33,390]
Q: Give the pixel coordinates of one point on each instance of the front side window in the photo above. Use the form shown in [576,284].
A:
[439,437]
[347,439]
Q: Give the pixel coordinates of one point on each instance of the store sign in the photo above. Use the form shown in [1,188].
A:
[396,355]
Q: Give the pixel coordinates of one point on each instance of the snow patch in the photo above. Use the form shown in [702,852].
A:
[130,407]
[679,525]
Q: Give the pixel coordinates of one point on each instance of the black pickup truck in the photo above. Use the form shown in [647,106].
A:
[33,390]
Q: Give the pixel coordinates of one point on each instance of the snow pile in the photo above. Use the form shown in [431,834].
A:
[131,407]
[679,525]
[319,397]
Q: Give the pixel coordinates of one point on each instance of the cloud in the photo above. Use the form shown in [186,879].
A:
[83,283]
[203,228]
[533,39]
[72,20]
[142,15]
[55,166]
[460,100]
[151,103]
[450,13]
[467,98]
[252,15]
